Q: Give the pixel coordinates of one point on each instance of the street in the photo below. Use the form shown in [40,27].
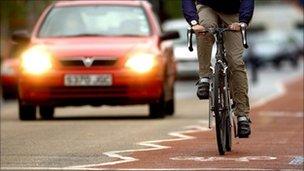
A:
[97,137]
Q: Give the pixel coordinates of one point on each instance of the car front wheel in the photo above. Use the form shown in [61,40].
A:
[156,109]
[170,104]
[27,112]
[46,112]
[169,107]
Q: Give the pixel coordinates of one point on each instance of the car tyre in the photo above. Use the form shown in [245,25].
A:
[156,109]
[6,96]
[27,112]
[9,95]
[170,107]
[46,112]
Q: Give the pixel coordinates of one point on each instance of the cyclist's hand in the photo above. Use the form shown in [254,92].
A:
[235,26]
[198,29]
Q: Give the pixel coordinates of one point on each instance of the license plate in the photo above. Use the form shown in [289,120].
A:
[88,80]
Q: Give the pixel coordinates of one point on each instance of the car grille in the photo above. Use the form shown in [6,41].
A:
[88,91]
[95,63]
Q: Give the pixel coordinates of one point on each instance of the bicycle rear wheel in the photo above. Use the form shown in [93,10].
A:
[228,135]
[221,124]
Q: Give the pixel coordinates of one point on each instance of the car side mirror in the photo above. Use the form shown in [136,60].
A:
[21,36]
[169,35]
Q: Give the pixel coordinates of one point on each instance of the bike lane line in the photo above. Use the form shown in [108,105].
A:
[203,144]
[202,148]
[274,142]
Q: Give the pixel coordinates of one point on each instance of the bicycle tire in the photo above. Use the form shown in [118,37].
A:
[228,136]
[220,126]
[228,123]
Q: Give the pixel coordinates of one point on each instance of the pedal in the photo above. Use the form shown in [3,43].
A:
[212,109]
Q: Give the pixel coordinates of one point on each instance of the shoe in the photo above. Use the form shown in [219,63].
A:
[243,127]
[203,88]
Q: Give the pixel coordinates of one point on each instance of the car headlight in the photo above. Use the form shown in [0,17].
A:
[141,62]
[36,60]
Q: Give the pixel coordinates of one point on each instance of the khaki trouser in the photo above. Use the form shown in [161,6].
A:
[234,50]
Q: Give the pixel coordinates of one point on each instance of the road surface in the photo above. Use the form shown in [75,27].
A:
[118,137]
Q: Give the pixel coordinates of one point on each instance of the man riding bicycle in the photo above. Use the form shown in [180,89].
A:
[201,14]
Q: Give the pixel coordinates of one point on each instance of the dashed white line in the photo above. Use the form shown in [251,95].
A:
[297,160]
[236,159]
[152,146]
[281,90]
[282,114]
[131,169]
[281,87]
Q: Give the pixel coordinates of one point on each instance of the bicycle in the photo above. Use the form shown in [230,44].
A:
[220,101]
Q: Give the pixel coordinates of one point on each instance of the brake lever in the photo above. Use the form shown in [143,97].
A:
[244,35]
[189,39]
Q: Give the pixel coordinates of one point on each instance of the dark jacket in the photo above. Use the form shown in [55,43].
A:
[243,7]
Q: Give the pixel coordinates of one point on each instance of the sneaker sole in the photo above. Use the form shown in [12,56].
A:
[201,98]
[243,136]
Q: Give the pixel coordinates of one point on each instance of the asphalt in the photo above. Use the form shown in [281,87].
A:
[276,141]
[82,135]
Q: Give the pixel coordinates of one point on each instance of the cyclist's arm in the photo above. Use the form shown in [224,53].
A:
[246,11]
[189,11]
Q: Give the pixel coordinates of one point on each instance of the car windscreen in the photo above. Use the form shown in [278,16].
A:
[95,20]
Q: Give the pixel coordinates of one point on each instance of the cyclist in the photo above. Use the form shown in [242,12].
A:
[211,13]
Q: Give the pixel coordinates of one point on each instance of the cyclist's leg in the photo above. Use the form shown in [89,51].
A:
[207,18]
[238,76]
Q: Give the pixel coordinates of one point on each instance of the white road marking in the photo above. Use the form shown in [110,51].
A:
[130,169]
[236,159]
[281,90]
[297,160]
[181,136]
[153,145]
[281,114]
[281,87]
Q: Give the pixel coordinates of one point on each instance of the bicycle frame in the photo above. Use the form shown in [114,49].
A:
[221,59]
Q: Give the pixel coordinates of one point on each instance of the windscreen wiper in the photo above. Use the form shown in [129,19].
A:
[82,35]
[99,35]
[128,35]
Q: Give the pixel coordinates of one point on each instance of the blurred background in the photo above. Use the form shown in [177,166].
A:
[275,35]
[80,134]
[276,31]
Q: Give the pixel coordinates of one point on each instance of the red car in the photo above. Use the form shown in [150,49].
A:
[96,53]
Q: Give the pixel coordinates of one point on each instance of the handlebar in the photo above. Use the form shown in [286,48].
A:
[189,39]
[215,31]
[244,35]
